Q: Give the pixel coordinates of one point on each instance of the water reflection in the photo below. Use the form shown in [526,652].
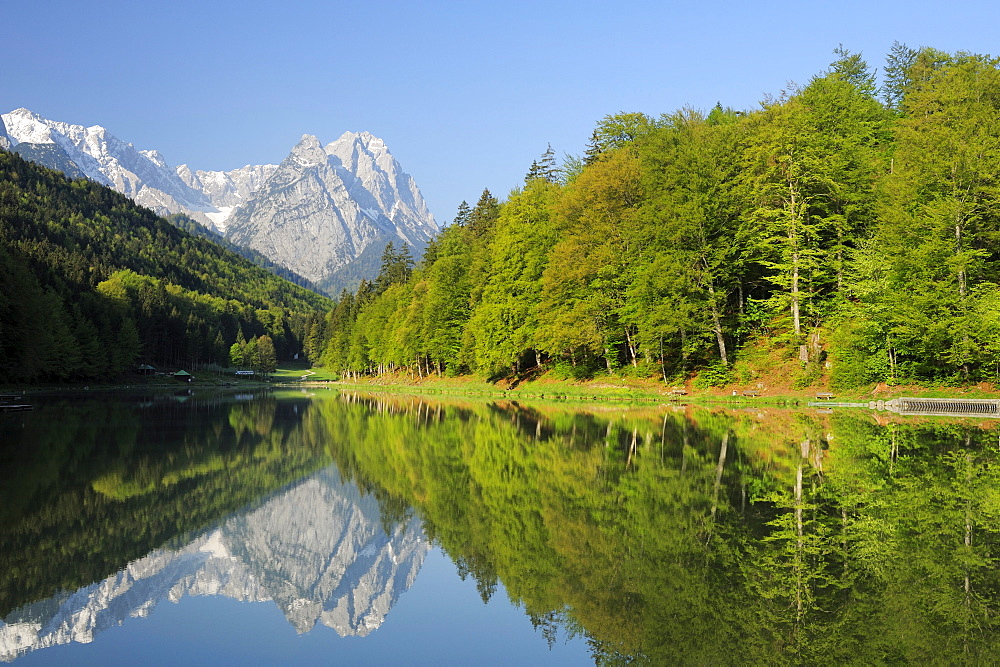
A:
[659,535]
[710,536]
[316,550]
[91,484]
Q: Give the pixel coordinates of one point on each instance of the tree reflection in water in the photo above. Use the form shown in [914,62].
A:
[660,535]
[705,536]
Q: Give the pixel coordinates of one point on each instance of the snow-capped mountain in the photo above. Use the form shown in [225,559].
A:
[317,551]
[324,207]
[5,141]
[226,189]
[317,212]
[143,176]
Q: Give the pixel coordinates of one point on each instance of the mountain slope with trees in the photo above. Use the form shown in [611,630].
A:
[91,284]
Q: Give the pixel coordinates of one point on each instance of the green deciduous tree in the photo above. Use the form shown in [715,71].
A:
[505,321]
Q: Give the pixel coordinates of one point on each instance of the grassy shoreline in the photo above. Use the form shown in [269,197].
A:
[769,391]
[645,391]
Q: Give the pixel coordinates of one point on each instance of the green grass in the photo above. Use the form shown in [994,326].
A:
[299,371]
[602,389]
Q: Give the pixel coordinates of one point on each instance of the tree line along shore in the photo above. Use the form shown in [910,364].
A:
[842,235]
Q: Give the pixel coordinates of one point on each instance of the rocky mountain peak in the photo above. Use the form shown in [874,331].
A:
[155,157]
[318,551]
[324,212]
[308,152]
[5,140]
[27,114]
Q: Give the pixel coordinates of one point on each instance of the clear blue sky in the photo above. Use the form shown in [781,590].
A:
[466,94]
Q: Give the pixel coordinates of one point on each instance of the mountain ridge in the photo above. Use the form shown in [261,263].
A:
[317,550]
[316,212]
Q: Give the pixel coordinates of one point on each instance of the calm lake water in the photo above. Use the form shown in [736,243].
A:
[347,528]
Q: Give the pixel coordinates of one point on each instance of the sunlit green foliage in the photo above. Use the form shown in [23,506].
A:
[839,227]
[705,538]
[91,285]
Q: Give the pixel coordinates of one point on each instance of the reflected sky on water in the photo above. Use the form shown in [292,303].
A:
[377,529]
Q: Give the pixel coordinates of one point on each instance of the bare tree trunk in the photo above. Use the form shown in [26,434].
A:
[968,521]
[800,543]
[796,258]
[714,307]
[632,447]
[663,435]
[717,325]
[663,364]
[631,347]
[962,287]
[720,466]
[684,447]
[892,361]
[684,354]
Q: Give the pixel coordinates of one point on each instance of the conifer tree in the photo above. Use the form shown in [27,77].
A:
[484,215]
[593,150]
[547,167]
[534,172]
[463,214]
[396,267]
[896,73]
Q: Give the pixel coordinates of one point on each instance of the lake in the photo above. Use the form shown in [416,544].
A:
[301,527]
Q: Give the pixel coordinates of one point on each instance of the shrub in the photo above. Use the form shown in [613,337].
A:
[716,375]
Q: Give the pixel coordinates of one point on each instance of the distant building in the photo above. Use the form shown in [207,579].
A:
[244,373]
[184,375]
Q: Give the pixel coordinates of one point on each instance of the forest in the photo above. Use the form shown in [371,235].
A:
[701,537]
[846,227]
[92,285]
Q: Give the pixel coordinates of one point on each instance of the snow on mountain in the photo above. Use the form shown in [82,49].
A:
[318,551]
[379,174]
[317,212]
[142,175]
[324,207]
[5,141]
[226,189]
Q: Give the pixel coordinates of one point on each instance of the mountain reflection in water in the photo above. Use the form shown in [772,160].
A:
[317,550]
[655,535]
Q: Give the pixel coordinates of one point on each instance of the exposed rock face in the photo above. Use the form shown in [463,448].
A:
[324,207]
[142,175]
[226,189]
[318,551]
[317,212]
[5,141]
[380,177]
